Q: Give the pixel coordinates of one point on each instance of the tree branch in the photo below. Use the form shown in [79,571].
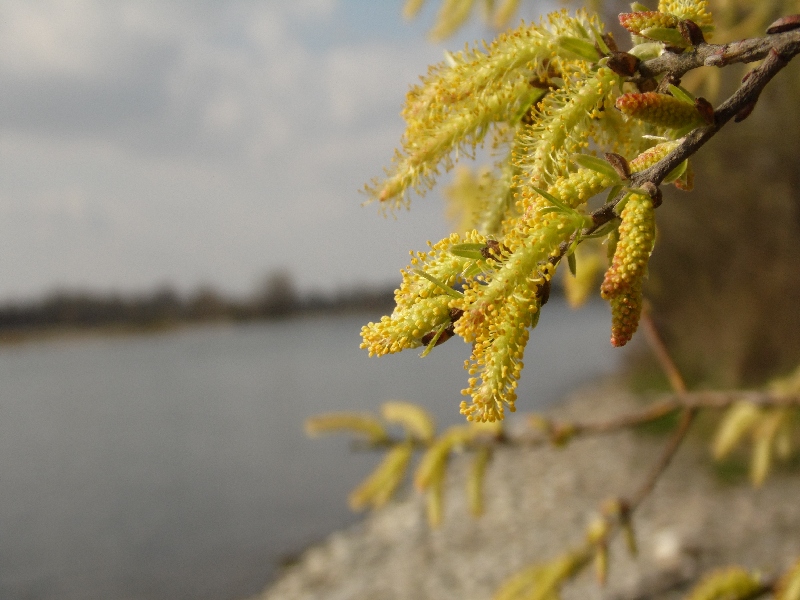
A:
[559,431]
[719,55]
[777,49]
[660,350]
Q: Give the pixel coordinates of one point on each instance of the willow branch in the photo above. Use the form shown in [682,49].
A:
[661,407]
[719,55]
[777,50]
[745,97]
[688,413]
[660,350]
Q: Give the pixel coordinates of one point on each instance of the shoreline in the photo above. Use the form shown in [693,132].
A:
[33,335]
[539,503]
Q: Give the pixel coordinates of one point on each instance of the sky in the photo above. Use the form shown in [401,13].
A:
[172,143]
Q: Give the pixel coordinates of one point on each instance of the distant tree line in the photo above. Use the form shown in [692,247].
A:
[165,307]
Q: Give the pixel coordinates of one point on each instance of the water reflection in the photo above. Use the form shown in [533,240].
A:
[175,466]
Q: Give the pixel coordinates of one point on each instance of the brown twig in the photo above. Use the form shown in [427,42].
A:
[661,407]
[777,50]
[658,347]
[718,55]
[688,413]
[667,454]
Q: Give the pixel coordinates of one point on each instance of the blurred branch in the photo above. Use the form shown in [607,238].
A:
[660,350]
[688,413]
[552,431]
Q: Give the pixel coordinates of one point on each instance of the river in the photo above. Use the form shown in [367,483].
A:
[174,465]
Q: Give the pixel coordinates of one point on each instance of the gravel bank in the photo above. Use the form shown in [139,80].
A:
[539,503]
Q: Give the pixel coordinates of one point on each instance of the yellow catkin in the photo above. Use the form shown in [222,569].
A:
[636,22]
[788,587]
[622,285]
[733,583]
[659,109]
[469,95]
[693,10]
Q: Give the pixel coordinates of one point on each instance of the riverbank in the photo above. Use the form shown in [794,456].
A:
[539,502]
[74,314]
[15,336]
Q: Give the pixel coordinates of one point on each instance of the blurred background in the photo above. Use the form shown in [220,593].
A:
[172,164]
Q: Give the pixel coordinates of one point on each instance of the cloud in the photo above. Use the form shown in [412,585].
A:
[197,142]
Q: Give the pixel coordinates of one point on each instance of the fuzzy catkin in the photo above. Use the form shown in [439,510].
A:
[622,285]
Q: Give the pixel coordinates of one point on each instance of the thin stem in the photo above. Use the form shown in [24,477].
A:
[777,50]
[667,454]
[658,347]
[665,405]
[718,55]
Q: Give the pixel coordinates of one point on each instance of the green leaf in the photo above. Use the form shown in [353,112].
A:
[432,343]
[573,47]
[603,230]
[531,97]
[612,193]
[647,50]
[677,172]
[682,94]
[573,264]
[550,209]
[581,29]
[596,164]
[682,131]
[552,199]
[598,38]
[473,270]
[639,7]
[446,288]
[621,204]
[467,254]
[468,246]
[471,251]
[664,34]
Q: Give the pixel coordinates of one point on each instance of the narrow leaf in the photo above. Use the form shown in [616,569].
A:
[596,164]
[647,50]
[612,193]
[598,38]
[473,270]
[682,94]
[573,265]
[677,172]
[552,199]
[603,231]
[664,34]
[550,209]
[432,344]
[446,288]
[477,247]
[435,502]
[470,254]
[573,47]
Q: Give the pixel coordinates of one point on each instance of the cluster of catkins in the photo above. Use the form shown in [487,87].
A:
[546,98]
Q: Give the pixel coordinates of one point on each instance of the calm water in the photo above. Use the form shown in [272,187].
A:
[175,466]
